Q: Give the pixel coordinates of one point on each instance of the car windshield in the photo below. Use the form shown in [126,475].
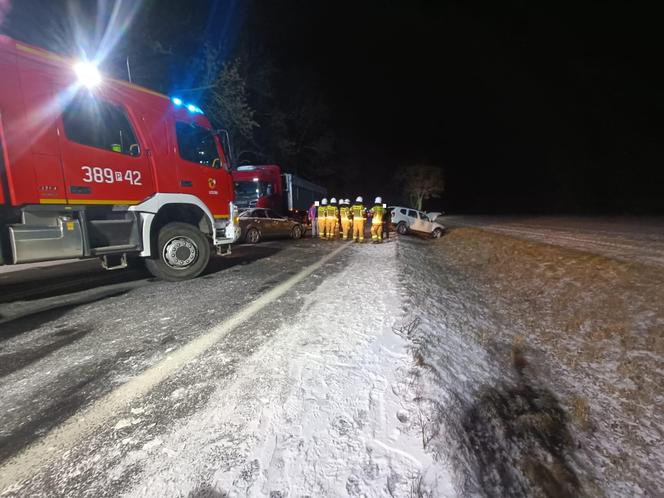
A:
[251,189]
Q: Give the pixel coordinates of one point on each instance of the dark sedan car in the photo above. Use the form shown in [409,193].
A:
[260,223]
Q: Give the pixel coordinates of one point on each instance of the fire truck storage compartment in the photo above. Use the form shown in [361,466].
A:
[112,231]
[45,235]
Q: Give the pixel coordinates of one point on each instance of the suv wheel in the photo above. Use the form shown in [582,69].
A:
[182,252]
[402,228]
[437,233]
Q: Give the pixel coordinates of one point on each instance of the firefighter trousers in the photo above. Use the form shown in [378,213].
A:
[358,230]
[322,223]
[345,228]
[377,232]
[331,228]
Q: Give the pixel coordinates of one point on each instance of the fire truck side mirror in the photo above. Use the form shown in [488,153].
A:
[225,140]
[216,163]
[134,150]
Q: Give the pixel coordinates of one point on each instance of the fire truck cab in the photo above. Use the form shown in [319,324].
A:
[96,167]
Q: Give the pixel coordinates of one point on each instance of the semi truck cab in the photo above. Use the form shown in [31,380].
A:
[265,186]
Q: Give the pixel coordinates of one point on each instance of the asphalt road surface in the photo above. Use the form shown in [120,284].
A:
[71,333]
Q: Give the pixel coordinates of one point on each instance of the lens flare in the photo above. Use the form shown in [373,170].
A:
[88,74]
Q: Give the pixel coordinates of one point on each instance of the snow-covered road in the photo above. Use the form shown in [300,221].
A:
[308,395]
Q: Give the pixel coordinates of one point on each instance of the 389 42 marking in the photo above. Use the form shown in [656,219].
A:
[108,175]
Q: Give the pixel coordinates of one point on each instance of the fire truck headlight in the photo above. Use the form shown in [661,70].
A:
[87,74]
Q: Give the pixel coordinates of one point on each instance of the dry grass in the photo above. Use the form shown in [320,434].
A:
[597,320]
[580,411]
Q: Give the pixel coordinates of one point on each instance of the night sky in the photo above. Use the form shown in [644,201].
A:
[528,108]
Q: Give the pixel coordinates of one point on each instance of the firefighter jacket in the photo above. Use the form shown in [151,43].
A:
[377,214]
[321,212]
[358,211]
[344,211]
[332,212]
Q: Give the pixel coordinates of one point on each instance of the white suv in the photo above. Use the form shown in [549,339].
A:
[410,220]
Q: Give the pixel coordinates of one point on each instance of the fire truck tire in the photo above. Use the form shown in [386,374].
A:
[182,252]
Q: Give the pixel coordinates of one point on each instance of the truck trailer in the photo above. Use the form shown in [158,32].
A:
[97,167]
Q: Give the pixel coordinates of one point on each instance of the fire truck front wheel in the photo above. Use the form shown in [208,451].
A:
[182,252]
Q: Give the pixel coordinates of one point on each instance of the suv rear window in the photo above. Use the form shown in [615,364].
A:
[100,124]
[196,144]
[412,214]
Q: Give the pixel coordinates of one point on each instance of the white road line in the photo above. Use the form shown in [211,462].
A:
[32,458]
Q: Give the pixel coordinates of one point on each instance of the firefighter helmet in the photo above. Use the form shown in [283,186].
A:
[333,200]
[324,201]
[359,199]
[347,201]
[379,200]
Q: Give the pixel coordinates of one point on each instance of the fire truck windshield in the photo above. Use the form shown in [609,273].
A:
[251,190]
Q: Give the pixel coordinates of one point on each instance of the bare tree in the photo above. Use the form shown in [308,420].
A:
[222,85]
[422,182]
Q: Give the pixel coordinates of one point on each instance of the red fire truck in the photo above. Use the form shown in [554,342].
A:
[96,167]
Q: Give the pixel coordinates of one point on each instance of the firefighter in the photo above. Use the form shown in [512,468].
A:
[332,219]
[344,213]
[377,214]
[357,210]
[322,218]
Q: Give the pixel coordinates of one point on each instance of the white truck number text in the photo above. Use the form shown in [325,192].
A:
[108,175]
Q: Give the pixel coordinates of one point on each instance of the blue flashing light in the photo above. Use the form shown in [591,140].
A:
[190,107]
[193,108]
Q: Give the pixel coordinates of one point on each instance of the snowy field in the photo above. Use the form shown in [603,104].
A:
[475,365]
[626,238]
[546,365]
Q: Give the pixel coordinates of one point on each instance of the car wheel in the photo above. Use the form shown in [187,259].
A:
[437,233]
[253,236]
[182,252]
[402,228]
[296,232]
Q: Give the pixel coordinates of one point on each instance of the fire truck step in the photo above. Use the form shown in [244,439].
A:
[98,251]
[107,262]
